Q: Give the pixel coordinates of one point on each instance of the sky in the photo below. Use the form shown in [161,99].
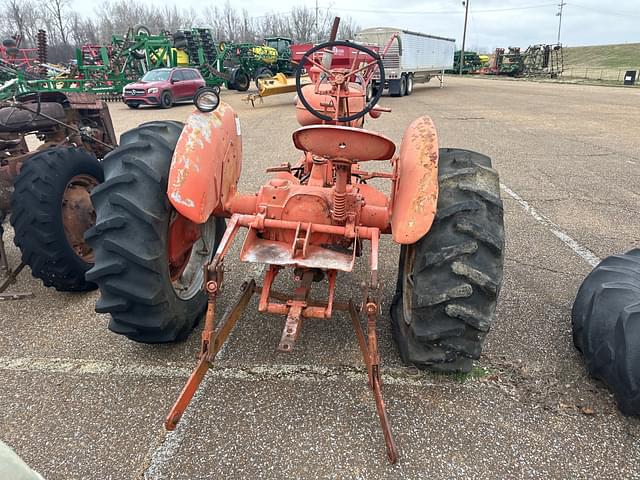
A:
[492,23]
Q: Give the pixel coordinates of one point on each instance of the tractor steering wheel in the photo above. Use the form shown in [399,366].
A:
[337,77]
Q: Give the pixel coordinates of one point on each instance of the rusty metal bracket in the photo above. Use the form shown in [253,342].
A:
[212,341]
[369,349]
[10,275]
[10,279]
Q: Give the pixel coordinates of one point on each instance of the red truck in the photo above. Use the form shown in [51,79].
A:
[163,87]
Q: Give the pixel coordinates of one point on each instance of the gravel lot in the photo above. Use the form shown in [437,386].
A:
[81,403]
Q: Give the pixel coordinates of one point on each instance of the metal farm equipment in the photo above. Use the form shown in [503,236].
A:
[46,191]
[161,245]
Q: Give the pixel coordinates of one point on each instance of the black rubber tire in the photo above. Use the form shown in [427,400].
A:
[138,54]
[181,44]
[240,80]
[606,326]
[261,73]
[401,89]
[166,99]
[409,88]
[141,30]
[130,240]
[375,86]
[36,216]
[457,272]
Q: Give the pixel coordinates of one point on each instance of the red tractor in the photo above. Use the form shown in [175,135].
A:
[160,240]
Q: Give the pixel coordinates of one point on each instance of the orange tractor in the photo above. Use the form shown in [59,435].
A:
[160,240]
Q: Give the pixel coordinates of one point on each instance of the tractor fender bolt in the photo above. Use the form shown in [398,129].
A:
[212,286]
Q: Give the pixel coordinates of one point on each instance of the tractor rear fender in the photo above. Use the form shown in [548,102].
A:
[206,164]
[416,193]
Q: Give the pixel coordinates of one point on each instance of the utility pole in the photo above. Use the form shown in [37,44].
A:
[317,33]
[465,3]
[559,14]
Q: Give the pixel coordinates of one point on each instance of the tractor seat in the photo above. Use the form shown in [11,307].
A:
[334,141]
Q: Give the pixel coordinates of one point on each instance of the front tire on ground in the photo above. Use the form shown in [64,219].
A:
[606,326]
[449,281]
[51,210]
[409,89]
[166,100]
[149,299]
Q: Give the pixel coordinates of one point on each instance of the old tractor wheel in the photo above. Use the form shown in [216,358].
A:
[606,326]
[448,281]
[51,210]
[148,259]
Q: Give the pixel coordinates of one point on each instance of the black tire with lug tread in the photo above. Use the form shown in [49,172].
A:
[166,99]
[37,216]
[446,296]
[130,241]
[606,326]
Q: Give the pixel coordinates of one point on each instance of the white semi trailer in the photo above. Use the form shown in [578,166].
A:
[409,57]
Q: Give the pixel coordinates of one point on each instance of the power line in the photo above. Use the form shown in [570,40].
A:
[438,12]
[605,12]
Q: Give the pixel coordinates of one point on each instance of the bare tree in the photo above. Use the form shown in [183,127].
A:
[303,23]
[231,21]
[57,15]
[66,28]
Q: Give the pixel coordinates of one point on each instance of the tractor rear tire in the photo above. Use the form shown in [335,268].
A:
[130,241]
[606,326]
[39,206]
[449,281]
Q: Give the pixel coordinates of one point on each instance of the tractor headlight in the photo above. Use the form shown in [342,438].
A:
[152,90]
[207,100]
